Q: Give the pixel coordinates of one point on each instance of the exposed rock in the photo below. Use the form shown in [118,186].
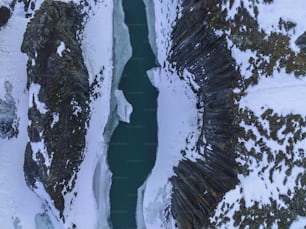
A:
[58,86]
[199,186]
[5,14]
[301,42]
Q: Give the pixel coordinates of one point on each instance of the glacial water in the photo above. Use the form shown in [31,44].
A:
[132,148]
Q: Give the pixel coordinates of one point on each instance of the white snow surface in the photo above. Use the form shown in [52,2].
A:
[61,48]
[34,100]
[177,115]
[177,118]
[18,204]
[284,93]
[299,223]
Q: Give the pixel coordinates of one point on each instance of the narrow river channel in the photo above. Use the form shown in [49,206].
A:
[132,148]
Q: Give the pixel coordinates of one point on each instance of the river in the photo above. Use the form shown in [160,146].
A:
[132,148]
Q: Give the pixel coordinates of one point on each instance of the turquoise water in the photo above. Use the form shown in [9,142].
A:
[132,148]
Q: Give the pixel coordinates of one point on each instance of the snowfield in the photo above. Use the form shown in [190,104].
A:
[18,204]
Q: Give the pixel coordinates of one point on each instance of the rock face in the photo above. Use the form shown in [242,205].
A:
[5,14]
[199,186]
[59,94]
[301,42]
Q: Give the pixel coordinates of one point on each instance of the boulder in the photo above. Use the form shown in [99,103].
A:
[5,14]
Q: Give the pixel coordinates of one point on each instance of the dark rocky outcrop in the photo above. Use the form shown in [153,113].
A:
[5,14]
[301,42]
[62,80]
[199,186]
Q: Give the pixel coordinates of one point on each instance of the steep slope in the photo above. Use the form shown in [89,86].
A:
[59,94]
[200,185]
[69,76]
[245,67]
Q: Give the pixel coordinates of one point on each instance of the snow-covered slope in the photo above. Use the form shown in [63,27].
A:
[18,204]
[177,117]
[272,113]
[89,186]
[267,103]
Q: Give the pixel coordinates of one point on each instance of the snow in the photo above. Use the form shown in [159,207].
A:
[150,12]
[34,100]
[55,119]
[40,148]
[281,92]
[140,222]
[113,42]
[61,48]
[284,93]
[94,178]
[124,108]
[165,13]
[270,14]
[15,196]
[43,222]
[299,223]
[77,109]
[177,115]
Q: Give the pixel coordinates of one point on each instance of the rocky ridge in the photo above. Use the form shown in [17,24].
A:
[59,95]
[199,186]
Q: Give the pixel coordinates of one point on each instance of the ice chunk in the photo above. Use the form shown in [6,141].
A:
[124,108]
[122,43]
[154,76]
[151,24]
